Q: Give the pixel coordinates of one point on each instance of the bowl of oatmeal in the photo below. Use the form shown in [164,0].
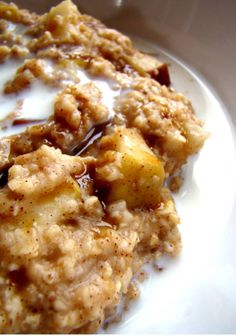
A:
[99,136]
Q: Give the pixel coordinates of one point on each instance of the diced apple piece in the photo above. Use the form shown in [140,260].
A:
[146,64]
[70,187]
[142,173]
[52,206]
[58,204]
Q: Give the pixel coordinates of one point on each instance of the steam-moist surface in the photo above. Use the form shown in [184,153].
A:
[75,230]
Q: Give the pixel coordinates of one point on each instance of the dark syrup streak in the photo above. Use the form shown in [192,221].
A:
[93,135]
[17,122]
[3,178]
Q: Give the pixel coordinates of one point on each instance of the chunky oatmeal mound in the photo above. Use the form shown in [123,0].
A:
[65,259]
[82,199]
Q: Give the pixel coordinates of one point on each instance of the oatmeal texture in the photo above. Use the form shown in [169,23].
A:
[82,199]
[166,120]
[66,261]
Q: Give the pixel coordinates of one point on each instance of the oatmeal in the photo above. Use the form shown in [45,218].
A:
[84,200]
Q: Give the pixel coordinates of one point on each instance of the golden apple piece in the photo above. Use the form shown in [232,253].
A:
[141,172]
[53,206]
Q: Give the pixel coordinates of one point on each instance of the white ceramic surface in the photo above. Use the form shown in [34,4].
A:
[197,292]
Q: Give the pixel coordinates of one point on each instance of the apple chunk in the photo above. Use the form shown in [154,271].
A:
[141,173]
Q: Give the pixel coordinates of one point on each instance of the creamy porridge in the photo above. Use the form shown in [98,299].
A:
[84,199]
